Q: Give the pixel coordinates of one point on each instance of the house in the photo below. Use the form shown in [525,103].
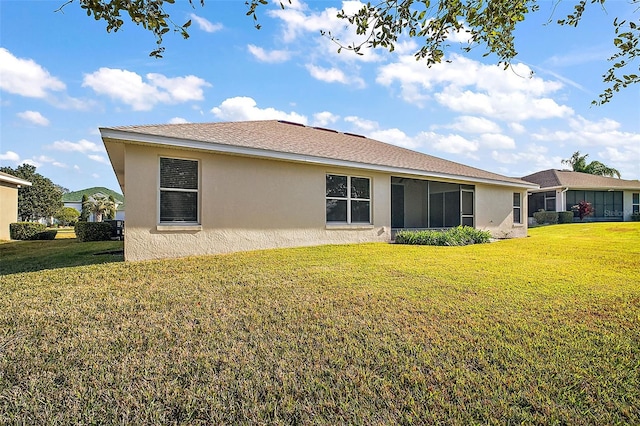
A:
[208,188]
[9,186]
[612,199]
[74,199]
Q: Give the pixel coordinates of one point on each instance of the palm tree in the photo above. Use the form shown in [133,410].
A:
[100,205]
[579,164]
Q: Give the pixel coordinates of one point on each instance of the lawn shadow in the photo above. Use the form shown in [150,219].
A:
[30,256]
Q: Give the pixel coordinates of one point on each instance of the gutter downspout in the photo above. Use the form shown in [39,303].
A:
[563,198]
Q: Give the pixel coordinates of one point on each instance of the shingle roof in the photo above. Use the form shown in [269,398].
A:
[566,178]
[292,138]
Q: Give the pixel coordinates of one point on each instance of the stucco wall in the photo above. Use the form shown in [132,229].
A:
[8,209]
[246,204]
[494,211]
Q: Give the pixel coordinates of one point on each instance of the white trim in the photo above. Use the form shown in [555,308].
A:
[14,180]
[302,158]
[182,228]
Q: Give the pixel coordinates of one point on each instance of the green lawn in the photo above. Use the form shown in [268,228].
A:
[539,330]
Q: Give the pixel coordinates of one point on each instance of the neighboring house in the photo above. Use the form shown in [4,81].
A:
[612,199]
[207,188]
[9,186]
[74,199]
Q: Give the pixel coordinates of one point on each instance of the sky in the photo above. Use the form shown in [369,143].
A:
[62,76]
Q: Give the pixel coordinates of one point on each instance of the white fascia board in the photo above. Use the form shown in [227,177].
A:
[286,156]
[14,180]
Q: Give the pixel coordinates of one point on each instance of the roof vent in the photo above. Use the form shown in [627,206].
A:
[356,135]
[291,122]
[326,130]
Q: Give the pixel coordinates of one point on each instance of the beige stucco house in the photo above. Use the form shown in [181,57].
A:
[208,188]
[612,199]
[9,186]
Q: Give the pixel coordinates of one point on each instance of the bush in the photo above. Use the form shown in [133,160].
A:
[46,235]
[25,230]
[543,217]
[30,231]
[565,217]
[92,231]
[458,236]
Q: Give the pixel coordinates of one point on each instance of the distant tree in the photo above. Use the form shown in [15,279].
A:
[67,216]
[84,213]
[101,206]
[111,214]
[583,208]
[579,163]
[40,200]
[63,189]
[489,24]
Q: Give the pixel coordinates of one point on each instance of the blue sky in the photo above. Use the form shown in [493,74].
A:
[62,76]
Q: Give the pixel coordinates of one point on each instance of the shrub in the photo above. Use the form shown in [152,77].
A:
[67,216]
[458,236]
[25,230]
[543,217]
[565,217]
[583,208]
[49,234]
[92,231]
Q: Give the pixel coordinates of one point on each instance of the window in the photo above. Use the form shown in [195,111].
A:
[635,203]
[178,190]
[348,199]
[517,208]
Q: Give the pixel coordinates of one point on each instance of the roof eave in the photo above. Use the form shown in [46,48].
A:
[142,138]
[14,180]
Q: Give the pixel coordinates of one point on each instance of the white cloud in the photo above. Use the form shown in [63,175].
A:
[10,156]
[324,118]
[452,144]
[129,88]
[362,125]
[272,56]
[497,141]
[470,87]
[34,117]
[82,146]
[334,75]
[535,157]
[517,128]
[45,159]
[205,25]
[245,108]
[99,159]
[178,120]
[469,124]
[395,137]
[298,20]
[25,77]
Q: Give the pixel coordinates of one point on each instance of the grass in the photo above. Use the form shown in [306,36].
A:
[539,330]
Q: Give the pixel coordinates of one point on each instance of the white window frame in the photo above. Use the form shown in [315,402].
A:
[175,224]
[635,207]
[349,199]
[518,208]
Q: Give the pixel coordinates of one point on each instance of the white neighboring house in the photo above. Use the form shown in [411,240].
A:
[74,199]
